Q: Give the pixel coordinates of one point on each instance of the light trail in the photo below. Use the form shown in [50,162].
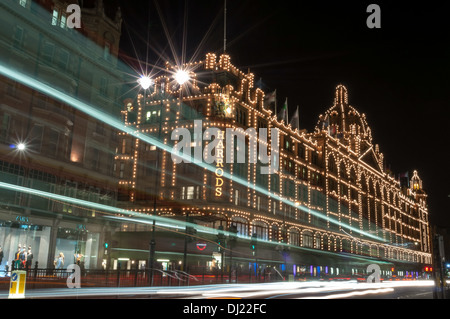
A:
[355,293]
[286,290]
[116,123]
[283,289]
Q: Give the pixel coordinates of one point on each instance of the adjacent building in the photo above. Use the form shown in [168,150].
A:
[48,145]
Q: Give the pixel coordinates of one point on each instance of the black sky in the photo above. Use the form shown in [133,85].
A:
[399,75]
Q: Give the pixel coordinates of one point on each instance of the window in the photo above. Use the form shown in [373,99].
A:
[294,237]
[303,173]
[59,18]
[301,151]
[241,116]
[241,225]
[53,142]
[5,127]
[308,239]
[103,86]
[275,233]
[100,128]
[62,23]
[36,138]
[150,168]
[331,164]
[317,244]
[153,116]
[314,158]
[107,51]
[236,197]
[190,192]
[261,230]
[55,17]
[18,37]
[48,50]
[63,59]
[287,145]
[122,168]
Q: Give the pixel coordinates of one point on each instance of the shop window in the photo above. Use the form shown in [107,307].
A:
[308,240]
[294,237]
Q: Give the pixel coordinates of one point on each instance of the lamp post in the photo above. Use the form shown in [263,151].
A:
[181,77]
[145,82]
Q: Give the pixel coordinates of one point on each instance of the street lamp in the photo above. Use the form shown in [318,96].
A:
[181,76]
[145,82]
[21,146]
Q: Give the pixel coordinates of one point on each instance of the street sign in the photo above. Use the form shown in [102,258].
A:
[17,284]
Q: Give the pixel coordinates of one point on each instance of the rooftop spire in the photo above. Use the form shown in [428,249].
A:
[341,97]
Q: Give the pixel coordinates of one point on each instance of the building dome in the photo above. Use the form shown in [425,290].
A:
[343,120]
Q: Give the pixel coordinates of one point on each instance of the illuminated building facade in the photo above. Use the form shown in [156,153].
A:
[331,192]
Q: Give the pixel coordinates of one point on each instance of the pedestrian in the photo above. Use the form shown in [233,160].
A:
[1,255]
[59,263]
[29,258]
[78,257]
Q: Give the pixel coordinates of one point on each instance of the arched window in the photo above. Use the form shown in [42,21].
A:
[382,252]
[332,164]
[260,229]
[346,246]
[343,171]
[317,242]
[294,237]
[241,225]
[307,240]
[363,183]
[353,176]
[325,242]
[275,233]
[331,243]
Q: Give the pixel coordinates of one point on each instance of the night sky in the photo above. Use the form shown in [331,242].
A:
[397,75]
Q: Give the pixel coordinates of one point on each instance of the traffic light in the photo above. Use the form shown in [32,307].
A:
[253,243]
[220,239]
[190,231]
[106,245]
[232,238]
[428,269]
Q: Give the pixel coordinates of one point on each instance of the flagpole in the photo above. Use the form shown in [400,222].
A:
[287,112]
[225,26]
[276,108]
